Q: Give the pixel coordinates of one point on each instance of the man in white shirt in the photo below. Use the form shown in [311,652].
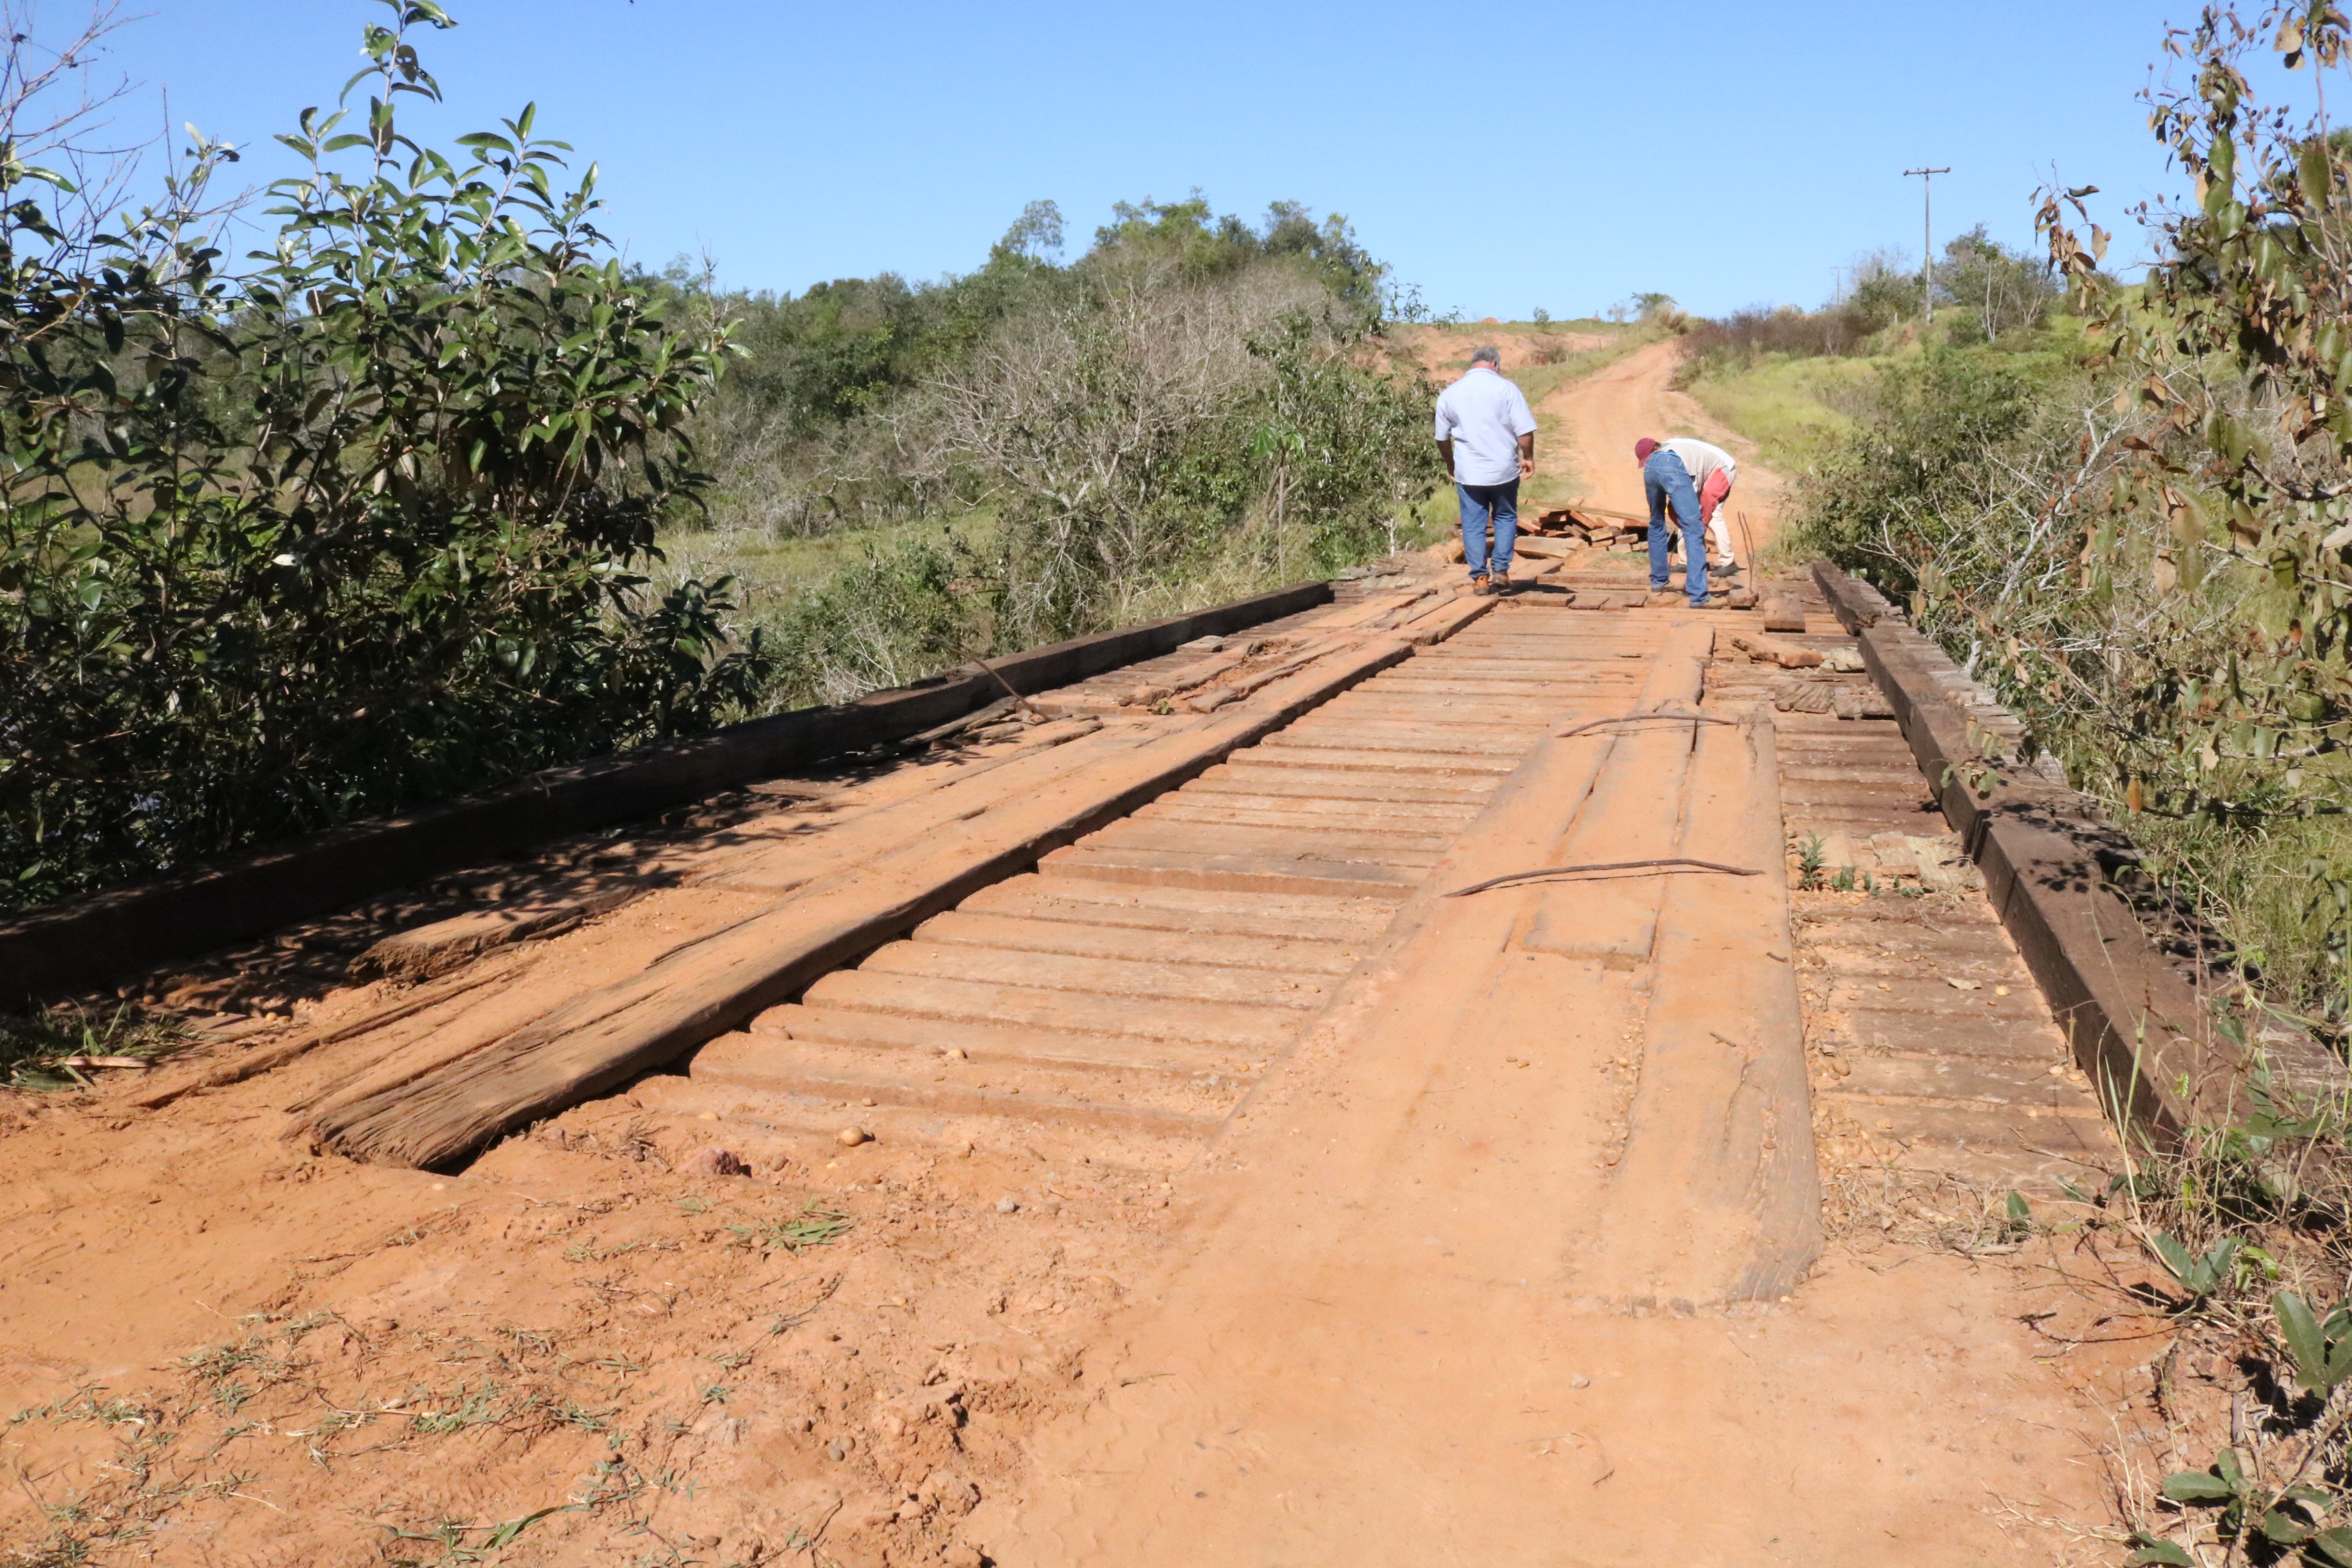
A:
[1487,435]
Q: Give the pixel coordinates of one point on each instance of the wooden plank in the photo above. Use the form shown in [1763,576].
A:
[1206,824]
[1274,811]
[1488,740]
[1972,1079]
[78,944]
[1233,1023]
[641,1021]
[1773,651]
[1233,873]
[1425,707]
[1009,1045]
[423,951]
[1353,921]
[1010,933]
[746,1062]
[1367,611]
[1443,621]
[1441,764]
[1326,843]
[796,862]
[1718,1198]
[1927,1131]
[1543,694]
[1317,783]
[1115,977]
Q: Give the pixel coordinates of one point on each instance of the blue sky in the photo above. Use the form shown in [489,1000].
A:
[1501,156]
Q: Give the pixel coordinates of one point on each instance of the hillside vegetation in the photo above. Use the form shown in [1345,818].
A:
[434,491]
[2122,507]
[1193,408]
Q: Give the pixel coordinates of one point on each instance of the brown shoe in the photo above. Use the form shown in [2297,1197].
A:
[1482,584]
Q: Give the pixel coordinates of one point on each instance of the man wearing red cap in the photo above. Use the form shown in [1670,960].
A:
[1670,481]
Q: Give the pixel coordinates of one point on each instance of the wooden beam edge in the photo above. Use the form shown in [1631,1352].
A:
[2136,1024]
[78,944]
[490,1096]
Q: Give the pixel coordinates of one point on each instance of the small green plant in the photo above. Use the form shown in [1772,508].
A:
[2284,1519]
[2201,1276]
[36,1049]
[451,1538]
[2321,1348]
[813,1226]
[1811,855]
[463,1407]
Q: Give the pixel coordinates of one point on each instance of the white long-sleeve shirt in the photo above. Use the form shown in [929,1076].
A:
[1485,415]
[1702,458]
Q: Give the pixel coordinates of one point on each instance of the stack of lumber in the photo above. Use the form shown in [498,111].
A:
[1594,525]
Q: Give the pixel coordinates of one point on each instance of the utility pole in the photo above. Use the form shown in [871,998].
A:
[1927,240]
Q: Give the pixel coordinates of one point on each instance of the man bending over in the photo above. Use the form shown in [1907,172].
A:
[1673,494]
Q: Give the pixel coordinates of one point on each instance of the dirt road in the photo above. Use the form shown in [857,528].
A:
[1218,1188]
[1604,413]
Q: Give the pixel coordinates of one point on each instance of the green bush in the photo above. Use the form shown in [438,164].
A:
[353,529]
[1933,440]
[904,610]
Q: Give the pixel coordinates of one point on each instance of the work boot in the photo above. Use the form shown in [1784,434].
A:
[1481,584]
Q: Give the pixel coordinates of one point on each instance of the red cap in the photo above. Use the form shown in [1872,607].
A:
[1642,448]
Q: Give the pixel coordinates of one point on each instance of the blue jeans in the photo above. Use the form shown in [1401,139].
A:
[1480,502]
[1665,479]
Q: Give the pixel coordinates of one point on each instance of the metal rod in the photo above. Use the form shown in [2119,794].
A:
[1671,862]
[1644,719]
[1016,697]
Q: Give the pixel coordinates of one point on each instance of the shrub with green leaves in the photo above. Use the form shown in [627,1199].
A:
[354,526]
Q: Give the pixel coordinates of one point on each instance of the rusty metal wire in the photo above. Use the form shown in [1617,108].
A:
[1643,719]
[1671,862]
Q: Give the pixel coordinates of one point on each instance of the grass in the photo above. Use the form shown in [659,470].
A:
[2263,887]
[36,1048]
[772,570]
[1795,410]
[813,1226]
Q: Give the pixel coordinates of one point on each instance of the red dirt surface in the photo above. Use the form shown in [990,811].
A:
[1351,1331]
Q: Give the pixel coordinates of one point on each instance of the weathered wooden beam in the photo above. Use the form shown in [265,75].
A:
[78,944]
[2137,1018]
[607,1035]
